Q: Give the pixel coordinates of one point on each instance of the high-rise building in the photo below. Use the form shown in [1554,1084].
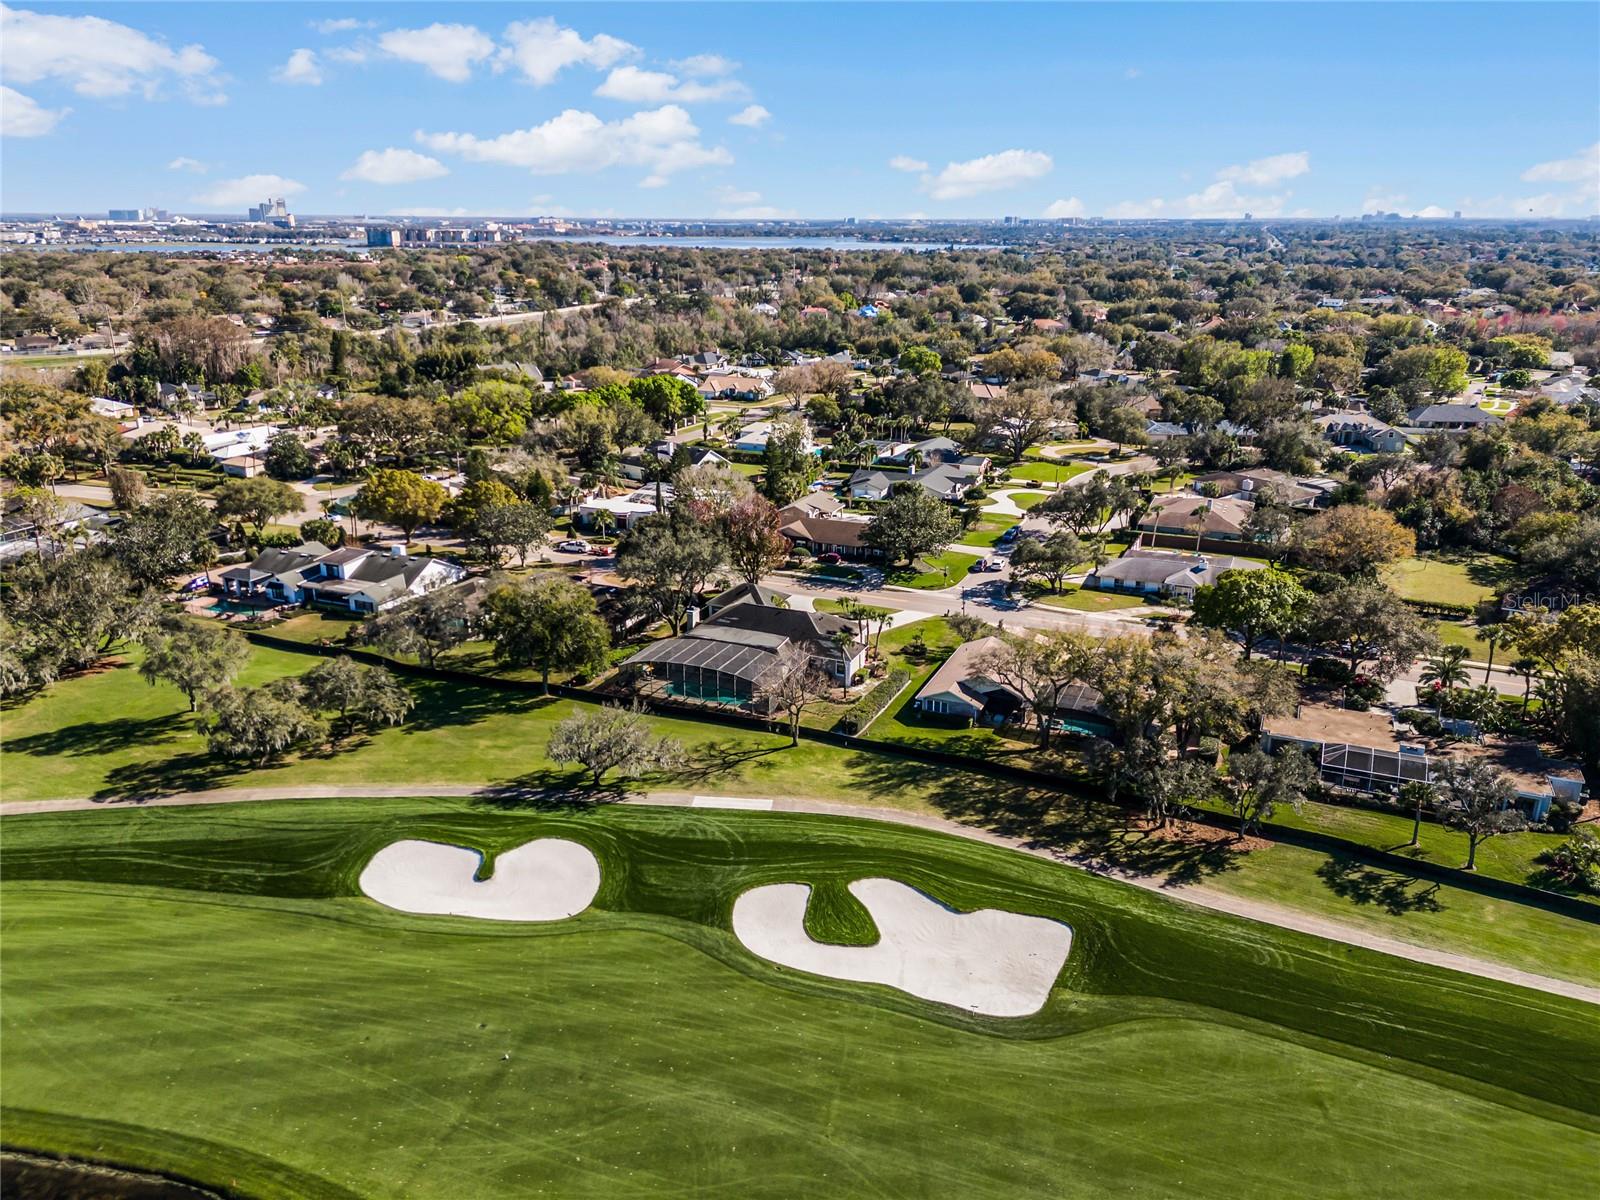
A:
[386,236]
[125,214]
[270,210]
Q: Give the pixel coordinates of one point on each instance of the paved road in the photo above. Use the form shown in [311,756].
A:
[1196,894]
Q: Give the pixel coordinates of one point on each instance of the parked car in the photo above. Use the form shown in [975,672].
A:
[993,564]
[978,567]
[830,558]
[1010,535]
[574,546]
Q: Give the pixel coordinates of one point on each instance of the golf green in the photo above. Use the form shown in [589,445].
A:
[204,991]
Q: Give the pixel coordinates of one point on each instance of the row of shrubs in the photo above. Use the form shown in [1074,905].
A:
[866,710]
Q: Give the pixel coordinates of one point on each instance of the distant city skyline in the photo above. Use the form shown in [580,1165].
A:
[754,112]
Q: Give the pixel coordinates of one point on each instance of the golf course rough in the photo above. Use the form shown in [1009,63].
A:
[546,880]
[207,992]
[1001,964]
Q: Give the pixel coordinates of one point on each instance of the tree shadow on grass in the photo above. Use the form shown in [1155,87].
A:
[100,737]
[1396,893]
[553,789]
[1072,823]
[194,772]
[443,703]
[713,760]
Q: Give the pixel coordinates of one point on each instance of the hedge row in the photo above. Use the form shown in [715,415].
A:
[867,709]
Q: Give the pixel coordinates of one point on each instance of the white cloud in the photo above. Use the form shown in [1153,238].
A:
[1135,209]
[730,195]
[1070,207]
[706,64]
[448,51]
[541,50]
[637,86]
[184,163]
[1223,200]
[394,166]
[249,189]
[1382,202]
[1582,167]
[340,25]
[904,162]
[662,140]
[756,212]
[1263,172]
[990,173]
[101,58]
[22,116]
[1132,73]
[355,54]
[302,68]
[751,117]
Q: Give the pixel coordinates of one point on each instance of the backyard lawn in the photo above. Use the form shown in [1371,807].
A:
[1089,600]
[325,1046]
[1047,470]
[1464,579]
[1029,500]
[943,570]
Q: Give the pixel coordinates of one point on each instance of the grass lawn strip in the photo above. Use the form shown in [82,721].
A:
[527,1031]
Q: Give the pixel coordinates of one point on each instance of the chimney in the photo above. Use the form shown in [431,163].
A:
[691,617]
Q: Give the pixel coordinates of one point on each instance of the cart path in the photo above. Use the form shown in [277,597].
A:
[1197,894]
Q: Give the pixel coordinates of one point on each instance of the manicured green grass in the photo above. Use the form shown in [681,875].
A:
[111,734]
[836,918]
[1029,500]
[204,992]
[1047,470]
[945,569]
[986,532]
[1090,600]
[1468,634]
[1464,579]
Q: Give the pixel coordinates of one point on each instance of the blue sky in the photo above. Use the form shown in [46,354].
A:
[823,110]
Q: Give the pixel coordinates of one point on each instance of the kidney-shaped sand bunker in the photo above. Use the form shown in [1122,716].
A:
[997,963]
[545,880]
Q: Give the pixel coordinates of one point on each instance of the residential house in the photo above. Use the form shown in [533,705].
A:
[1452,418]
[947,481]
[20,534]
[1164,572]
[357,579]
[1372,752]
[752,439]
[816,523]
[173,396]
[741,593]
[241,452]
[734,387]
[125,415]
[708,360]
[668,366]
[624,511]
[1361,431]
[960,689]
[727,658]
[1248,484]
[1187,515]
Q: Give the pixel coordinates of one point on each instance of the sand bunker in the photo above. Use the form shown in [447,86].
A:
[997,963]
[545,880]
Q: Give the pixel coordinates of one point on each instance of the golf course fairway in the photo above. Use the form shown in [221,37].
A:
[205,992]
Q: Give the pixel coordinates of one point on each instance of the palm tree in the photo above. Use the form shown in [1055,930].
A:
[1446,672]
[1527,668]
[1492,636]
